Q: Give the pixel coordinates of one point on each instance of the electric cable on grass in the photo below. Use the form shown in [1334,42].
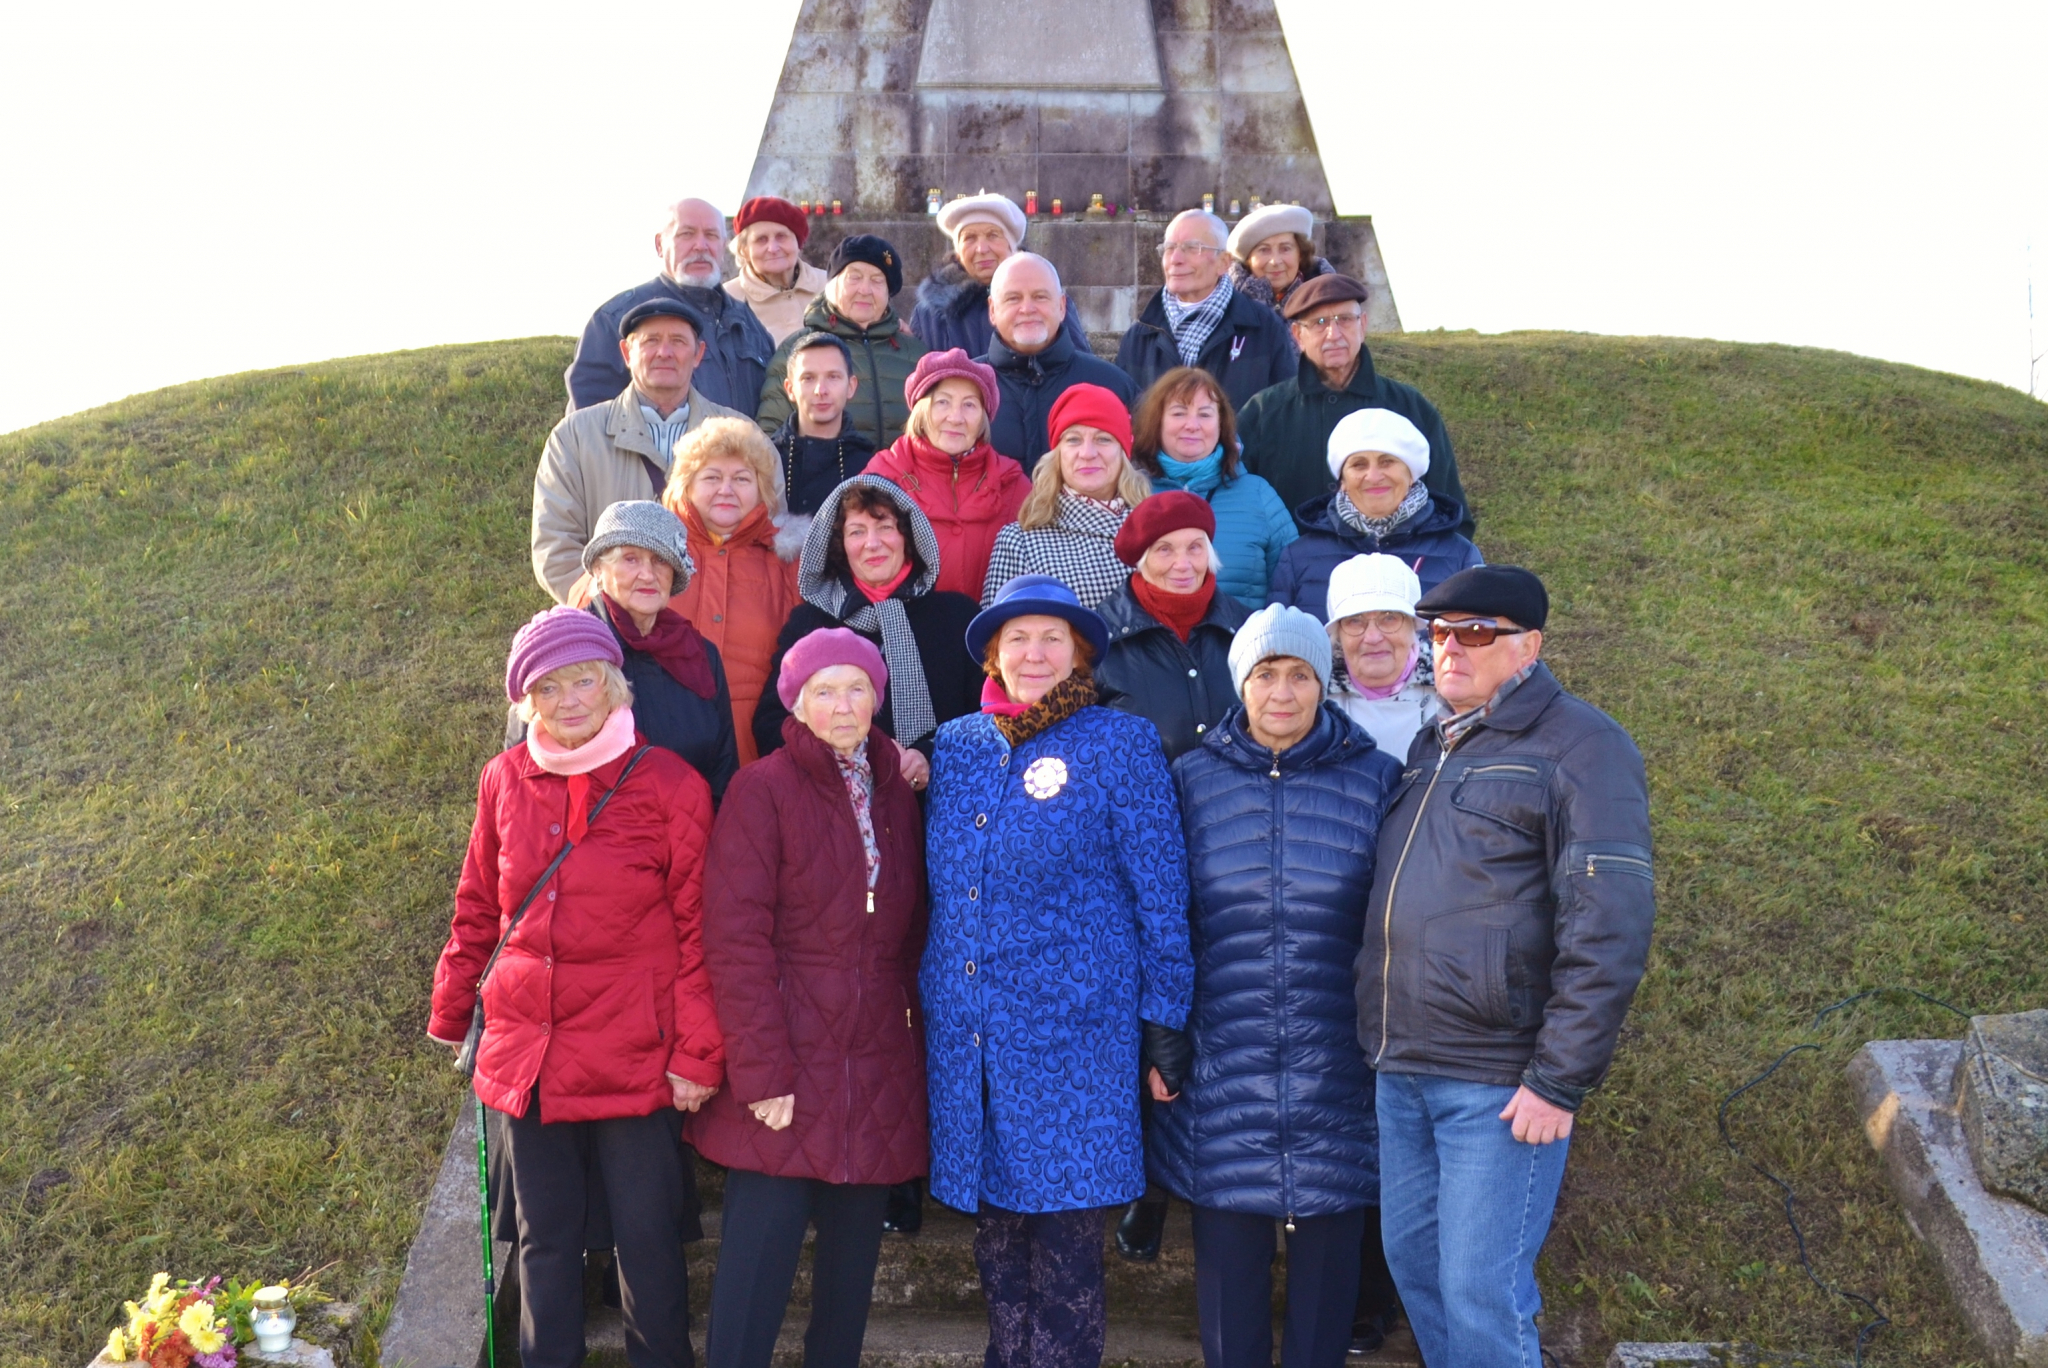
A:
[1878,1319]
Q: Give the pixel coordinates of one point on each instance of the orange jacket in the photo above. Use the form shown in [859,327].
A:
[739,598]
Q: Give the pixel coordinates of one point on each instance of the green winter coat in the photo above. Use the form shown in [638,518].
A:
[1285,431]
[884,354]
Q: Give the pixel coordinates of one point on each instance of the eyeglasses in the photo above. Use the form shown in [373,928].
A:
[1473,632]
[1326,322]
[1193,249]
[1388,622]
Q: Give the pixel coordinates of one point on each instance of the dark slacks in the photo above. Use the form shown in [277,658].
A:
[640,1159]
[762,1235]
[1041,1273]
[1376,1294]
[1234,1288]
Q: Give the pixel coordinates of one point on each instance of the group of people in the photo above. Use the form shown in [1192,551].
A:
[955,756]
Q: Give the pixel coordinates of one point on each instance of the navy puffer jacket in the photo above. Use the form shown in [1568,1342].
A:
[1277,1119]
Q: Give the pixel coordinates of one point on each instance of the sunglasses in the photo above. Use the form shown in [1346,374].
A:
[1472,633]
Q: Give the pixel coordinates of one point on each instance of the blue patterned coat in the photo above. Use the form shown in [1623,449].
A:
[1058,921]
[1277,1118]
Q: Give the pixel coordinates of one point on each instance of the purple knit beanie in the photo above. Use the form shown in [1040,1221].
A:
[821,650]
[552,639]
[953,364]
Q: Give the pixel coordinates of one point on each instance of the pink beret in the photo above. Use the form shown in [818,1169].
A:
[821,650]
[554,638]
[952,364]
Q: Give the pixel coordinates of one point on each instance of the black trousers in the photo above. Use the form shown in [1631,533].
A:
[762,1236]
[1234,1288]
[640,1158]
[1376,1293]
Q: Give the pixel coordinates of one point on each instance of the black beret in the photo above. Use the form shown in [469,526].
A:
[663,306]
[1506,591]
[815,338]
[1321,293]
[875,251]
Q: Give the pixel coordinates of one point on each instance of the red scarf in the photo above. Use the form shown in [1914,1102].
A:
[1178,613]
[996,700]
[877,592]
[675,643]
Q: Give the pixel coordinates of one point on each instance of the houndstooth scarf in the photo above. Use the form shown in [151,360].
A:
[1411,506]
[1192,323]
[910,698]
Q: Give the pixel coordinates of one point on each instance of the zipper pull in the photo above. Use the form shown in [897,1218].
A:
[871,902]
[1274,773]
[1290,1223]
[906,1020]
[1590,872]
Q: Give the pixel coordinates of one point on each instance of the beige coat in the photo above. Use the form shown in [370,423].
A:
[594,458]
[781,311]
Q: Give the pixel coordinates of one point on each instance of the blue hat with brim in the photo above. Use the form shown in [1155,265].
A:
[663,306]
[1035,596]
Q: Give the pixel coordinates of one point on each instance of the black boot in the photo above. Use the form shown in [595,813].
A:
[1137,1234]
[905,1213]
[1369,1333]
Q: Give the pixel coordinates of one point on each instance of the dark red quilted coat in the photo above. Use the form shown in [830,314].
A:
[602,990]
[817,996]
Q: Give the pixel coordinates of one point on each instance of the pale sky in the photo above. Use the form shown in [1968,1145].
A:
[202,188]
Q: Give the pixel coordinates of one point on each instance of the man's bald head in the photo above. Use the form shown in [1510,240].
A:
[691,242]
[1026,302]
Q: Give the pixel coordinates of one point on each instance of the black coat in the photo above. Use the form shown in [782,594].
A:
[1028,386]
[952,311]
[813,467]
[736,350]
[670,716]
[1286,432]
[939,622]
[1182,688]
[1249,351]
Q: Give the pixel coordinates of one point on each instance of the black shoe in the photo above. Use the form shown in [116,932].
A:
[1138,1233]
[905,1214]
[1369,1333]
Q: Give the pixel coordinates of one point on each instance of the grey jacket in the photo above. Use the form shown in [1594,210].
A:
[1511,907]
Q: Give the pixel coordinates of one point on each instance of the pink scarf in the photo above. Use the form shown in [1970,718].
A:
[995,700]
[1389,690]
[613,740]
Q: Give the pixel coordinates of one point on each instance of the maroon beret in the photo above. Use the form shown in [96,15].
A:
[1174,511]
[769,209]
[1321,293]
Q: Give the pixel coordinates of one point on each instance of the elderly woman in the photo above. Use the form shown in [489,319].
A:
[1281,806]
[1058,944]
[1080,494]
[1385,687]
[814,919]
[984,230]
[638,559]
[1273,251]
[967,488]
[1381,504]
[768,236]
[726,486]
[585,871]
[871,563]
[1185,437]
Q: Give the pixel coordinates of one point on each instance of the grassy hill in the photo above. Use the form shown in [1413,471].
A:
[251,638]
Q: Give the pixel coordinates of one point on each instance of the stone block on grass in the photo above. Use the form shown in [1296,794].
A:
[2002,1096]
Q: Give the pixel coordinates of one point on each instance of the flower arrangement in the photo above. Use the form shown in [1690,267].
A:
[195,1324]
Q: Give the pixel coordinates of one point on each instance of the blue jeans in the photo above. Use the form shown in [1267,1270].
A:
[1464,1208]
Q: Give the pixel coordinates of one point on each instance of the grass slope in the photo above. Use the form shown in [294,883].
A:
[251,632]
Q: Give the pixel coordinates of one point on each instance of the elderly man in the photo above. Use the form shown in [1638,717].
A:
[1035,356]
[1198,319]
[866,271]
[1286,429]
[819,447]
[690,241]
[1506,932]
[768,235]
[597,457]
[953,303]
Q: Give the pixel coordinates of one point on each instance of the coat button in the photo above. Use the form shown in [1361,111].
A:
[548,962]
[977,1037]
[1003,760]
[555,830]
[970,968]
[1201,727]
[974,893]
[1192,674]
[718,617]
[545,1028]
[551,895]
[981,819]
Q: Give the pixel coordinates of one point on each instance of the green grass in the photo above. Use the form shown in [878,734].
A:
[251,641]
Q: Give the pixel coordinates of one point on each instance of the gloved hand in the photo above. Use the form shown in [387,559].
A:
[1171,1051]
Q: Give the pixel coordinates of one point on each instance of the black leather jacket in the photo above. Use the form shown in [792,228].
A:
[1511,907]
[1182,688]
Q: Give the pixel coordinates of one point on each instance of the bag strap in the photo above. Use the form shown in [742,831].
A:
[655,476]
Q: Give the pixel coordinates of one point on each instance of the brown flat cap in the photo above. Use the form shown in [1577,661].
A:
[1322,292]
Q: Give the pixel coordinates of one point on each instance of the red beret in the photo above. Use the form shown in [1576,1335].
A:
[769,209]
[1174,511]
[1094,406]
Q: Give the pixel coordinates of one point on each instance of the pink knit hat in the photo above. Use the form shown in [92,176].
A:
[821,650]
[552,639]
[952,364]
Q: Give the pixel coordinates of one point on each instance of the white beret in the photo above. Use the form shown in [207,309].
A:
[1266,220]
[997,209]
[1378,429]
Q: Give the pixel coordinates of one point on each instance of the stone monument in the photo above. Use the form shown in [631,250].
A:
[1110,116]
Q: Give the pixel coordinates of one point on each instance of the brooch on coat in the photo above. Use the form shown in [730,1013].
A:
[1046,777]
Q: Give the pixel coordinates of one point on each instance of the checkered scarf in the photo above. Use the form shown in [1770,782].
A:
[1192,323]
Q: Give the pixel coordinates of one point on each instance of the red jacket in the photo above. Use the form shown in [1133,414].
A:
[968,502]
[601,991]
[739,598]
[817,995]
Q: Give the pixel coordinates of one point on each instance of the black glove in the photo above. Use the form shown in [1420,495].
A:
[1171,1051]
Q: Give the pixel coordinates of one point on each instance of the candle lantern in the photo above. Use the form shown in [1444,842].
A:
[1236,209]
[931,200]
[837,207]
[1208,202]
[1055,208]
[273,1320]
[1031,203]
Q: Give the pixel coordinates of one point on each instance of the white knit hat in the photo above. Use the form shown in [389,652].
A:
[1277,630]
[1372,584]
[1266,220]
[1378,429]
[1000,210]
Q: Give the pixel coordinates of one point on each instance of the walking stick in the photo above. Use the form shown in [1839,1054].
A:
[483,1194]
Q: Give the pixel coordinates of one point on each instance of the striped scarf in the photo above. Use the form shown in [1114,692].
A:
[666,432]
[1192,323]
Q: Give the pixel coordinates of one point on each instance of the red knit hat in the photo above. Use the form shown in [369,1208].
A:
[1174,511]
[1094,406]
[769,209]
[952,364]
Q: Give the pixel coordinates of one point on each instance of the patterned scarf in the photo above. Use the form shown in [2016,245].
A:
[1192,323]
[1069,696]
[860,787]
[666,431]
[1453,729]
[1411,505]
